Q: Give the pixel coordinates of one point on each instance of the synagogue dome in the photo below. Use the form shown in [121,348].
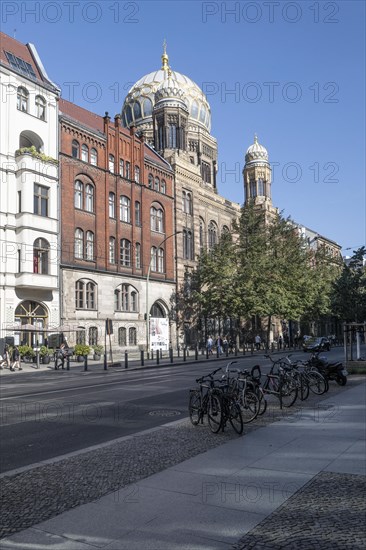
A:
[165,84]
[256,153]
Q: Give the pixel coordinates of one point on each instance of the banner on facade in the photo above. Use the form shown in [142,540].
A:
[159,333]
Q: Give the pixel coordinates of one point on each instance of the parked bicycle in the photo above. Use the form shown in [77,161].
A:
[206,401]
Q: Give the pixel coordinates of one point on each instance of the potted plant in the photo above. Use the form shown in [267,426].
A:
[98,350]
[45,353]
[26,353]
[81,350]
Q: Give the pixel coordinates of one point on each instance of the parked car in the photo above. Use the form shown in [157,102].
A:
[320,343]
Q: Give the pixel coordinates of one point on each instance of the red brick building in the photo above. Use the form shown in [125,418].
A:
[116,210]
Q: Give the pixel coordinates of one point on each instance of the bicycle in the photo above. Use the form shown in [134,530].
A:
[206,401]
[281,384]
[243,388]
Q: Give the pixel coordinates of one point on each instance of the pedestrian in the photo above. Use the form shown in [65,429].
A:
[280,342]
[60,356]
[5,363]
[231,346]
[16,359]
[225,345]
[258,341]
[209,345]
[219,344]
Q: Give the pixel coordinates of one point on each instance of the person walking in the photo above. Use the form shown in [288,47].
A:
[16,359]
[209,345]
[60,356]
[5,363]
[258,341]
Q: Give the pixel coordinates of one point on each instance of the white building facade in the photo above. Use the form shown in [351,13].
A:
[29,211]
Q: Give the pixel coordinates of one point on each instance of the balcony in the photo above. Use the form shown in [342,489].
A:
[36,281]
[30,160]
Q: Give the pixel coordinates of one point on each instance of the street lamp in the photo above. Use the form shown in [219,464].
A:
[147,291]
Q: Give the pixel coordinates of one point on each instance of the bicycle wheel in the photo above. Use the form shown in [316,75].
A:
[195,407]
[214,412]
[235,417]
[249,406]
[287,393]
[317,383]
[302,385]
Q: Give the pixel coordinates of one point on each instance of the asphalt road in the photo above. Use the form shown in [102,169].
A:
[51,413]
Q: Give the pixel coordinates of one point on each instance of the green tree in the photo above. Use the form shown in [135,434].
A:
[349,290]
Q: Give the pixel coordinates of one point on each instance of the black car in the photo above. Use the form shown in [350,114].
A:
[320,343]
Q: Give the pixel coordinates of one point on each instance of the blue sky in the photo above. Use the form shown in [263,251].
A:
[293,72]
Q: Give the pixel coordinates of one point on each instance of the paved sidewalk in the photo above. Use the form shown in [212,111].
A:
[296,483]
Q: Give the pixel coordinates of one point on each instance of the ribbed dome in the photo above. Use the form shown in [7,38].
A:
[256,152]
[169,92]
[141,98]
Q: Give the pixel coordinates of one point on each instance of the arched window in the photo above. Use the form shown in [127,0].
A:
[93,156]
[112,205]
[147,105]
[128,170]
[253,189]
[157,219]
[111,163]
[41,256]
[78,194]
[125,253]
[89,198]
[137,174]
[124,209]
[157,184]
[22,99]
[138,256]
[163,187]
[194,109]
[122,336]
[112,250]
[132,336]
[84,153]
[161,260]
[187,202]
[134,301]
[150,181]
[203,114]
[40,107]
[225,229]
[137,213]
[125,306]
[137,110]
[261,191]
[153,259]
[27,138]
[202,235]
[85,294]
[93,336]
[89,246]
[187,244]
[117,299]
[157,311]
[172,136]
[79,243]
[212,234]
[128,115]
[75,149]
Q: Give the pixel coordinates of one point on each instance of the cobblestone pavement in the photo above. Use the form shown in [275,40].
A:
[328,513]
[37,494]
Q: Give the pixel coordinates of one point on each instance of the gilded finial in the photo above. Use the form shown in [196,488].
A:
[255,138]
[165,58]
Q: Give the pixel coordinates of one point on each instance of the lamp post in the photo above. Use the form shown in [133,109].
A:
[147,291]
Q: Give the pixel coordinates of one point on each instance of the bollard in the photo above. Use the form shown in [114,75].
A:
[105,361]
[55,359]
[227,351]
[152,355]
[272,347]
[157,357]
[68,362]
[196,353]
[161,354]
[178,351]
[244,349]
[171,354]
[252,349]
[126,360]
[85,362]
[206,353]
[142,358]
[217,352]
[184,354]
[236,351]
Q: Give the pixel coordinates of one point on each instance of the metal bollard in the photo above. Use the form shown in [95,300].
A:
[142,358]
[105,361]
[178,351]
[161,354]
[272,347]
[217,352]
[85,362]
[68,362]
[184,354]
[227,351]
[126,360]
[171,354]
[244,349]
[157,357]
[236,351]
[55,359]
[206,353]
[196,353]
